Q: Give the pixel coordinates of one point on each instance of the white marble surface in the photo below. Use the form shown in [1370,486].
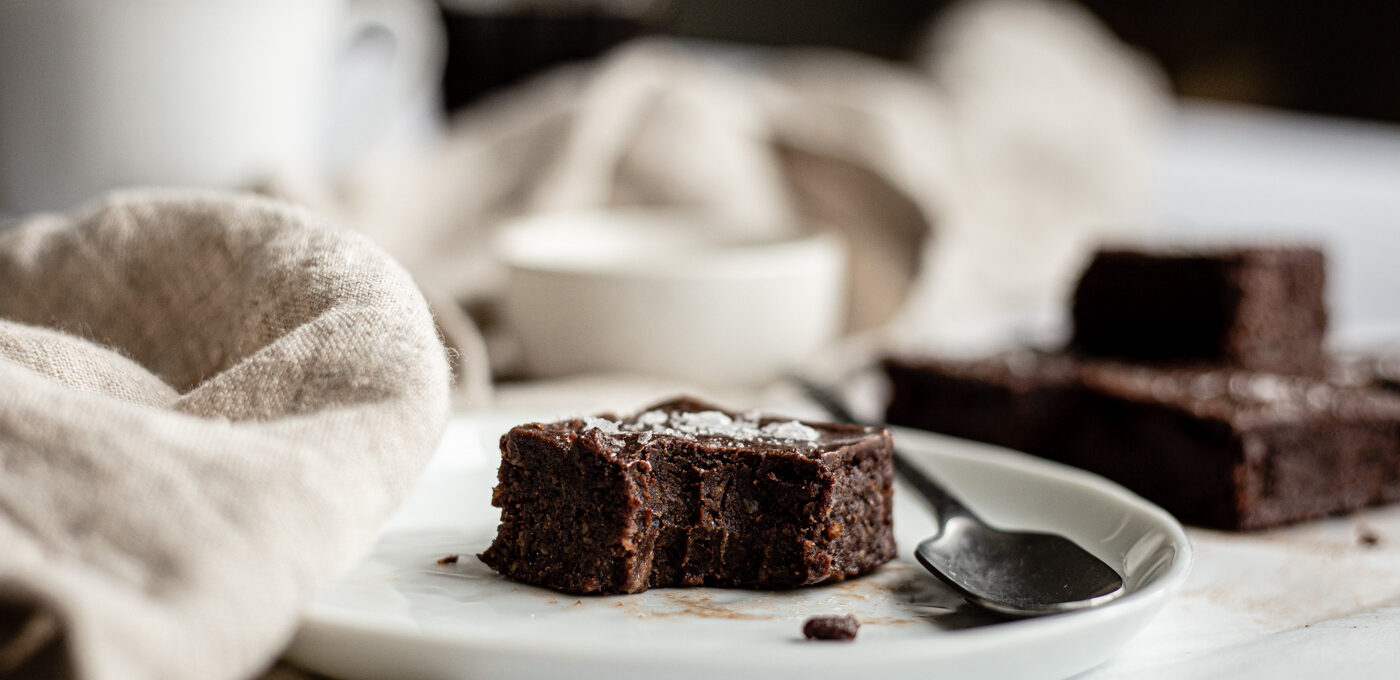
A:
[1300,602]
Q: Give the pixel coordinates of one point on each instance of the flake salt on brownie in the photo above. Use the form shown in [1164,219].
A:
[685,494]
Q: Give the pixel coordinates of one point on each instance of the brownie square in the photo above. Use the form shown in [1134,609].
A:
[1217,447]
[1018,400]
[1256,308]
[686,494]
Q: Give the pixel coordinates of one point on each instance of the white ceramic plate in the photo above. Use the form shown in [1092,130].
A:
[398,614]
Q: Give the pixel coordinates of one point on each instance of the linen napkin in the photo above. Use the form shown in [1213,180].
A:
[209,402]
[969,183]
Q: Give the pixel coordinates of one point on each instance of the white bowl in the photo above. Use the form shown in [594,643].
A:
[667,293]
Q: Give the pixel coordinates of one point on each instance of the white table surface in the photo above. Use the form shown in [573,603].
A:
[1302,602]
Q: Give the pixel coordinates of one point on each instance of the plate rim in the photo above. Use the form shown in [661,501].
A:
[320,619]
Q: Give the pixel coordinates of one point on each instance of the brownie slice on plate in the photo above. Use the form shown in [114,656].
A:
[686,494]
[1257,308]
[1218,447]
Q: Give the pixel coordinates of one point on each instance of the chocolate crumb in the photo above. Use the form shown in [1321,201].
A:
[1367,537]
[841,628]
[450,559]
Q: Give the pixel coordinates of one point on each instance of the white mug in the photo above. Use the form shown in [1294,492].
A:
[99,94]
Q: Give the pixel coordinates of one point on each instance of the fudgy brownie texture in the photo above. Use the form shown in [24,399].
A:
[1217,447]
[685,494]
[1257,308]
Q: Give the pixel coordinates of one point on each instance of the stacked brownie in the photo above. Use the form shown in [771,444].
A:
[1196,379]
[686,494]
[1260,309]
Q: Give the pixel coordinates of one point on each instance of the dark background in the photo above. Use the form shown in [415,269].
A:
[1337,58]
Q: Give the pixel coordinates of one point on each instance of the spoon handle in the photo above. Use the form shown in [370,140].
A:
[943,502]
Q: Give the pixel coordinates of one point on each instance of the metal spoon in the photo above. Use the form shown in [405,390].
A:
[1016,573]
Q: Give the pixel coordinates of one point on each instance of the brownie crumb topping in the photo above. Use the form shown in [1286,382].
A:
[840,628]
[450,559]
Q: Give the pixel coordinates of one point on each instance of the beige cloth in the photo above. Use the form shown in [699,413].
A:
[209,404]
[970,185]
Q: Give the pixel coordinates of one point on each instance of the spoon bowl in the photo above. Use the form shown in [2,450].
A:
[1014,573]
[1017,573]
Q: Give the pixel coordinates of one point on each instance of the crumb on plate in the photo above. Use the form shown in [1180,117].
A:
[841,628]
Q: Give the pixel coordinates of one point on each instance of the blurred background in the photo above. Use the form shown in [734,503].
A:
[1282,123]
[1286,55]
[958,160]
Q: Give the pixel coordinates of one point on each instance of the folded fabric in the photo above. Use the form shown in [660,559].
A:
[970,186]
[209,403]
